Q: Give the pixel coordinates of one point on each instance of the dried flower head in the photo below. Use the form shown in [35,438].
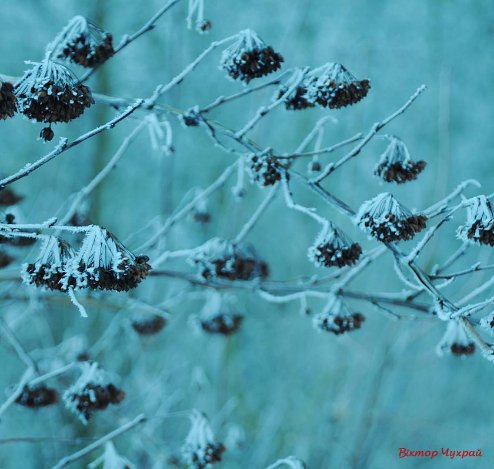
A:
[37,396]
[221,323]
[337,317]
[479,227]
[104,263]
[249,57]
[8,101]
[333,248]
[395,164]
[487,322]
[266,170]
[384,218]
[455,341]
[49,92]
[200,449]
[5,259]
[9,197]
[148,324]
[47,134]
[49,268]
[297,99]
[224,259]
[91,392]
[333,86]
[83,43]
[111,459]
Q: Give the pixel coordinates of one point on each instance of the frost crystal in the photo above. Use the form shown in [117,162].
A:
[333,86]
[104,263]
[479,227]
[49,92]
[455,341]
[112,460]
[221,258]
[49,268]
[384,218]
[332,248]
[395,164]
[337,317]
[83,43]
[8,101]
[297,99]
[200,450]
[249,57]
[91,392]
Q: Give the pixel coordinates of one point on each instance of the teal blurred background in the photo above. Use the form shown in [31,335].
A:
[278,387]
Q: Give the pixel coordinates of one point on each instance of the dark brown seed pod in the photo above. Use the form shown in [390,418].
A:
[104,263]
[266,170]
[332,248]
[222,323]
[47,134]
[83,43]
[250,58]
[37,396]
[479,226]
[9,197]
[456,341]
[49,92]
[223,259]
[5,259]
[337,318]
[385,219]
[8,101]
[148,324]
[396,165]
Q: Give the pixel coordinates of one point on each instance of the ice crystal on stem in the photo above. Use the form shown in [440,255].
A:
[337,318]
[91,392]
[200,449]
[333,248]
[479,227]
[104,263]
[83,43]
[224,259]
[49,92]
[455,341]
[297,99]
[8,101]
[385,219]
[249,57]
[49,268]
[395,164]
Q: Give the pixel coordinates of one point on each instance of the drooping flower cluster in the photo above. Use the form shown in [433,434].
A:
[49,92]
[200,449]
[337,317]
[249,57]
[148,324]
[102,263]
[35,397]
[385,219]
[8,101]
[49,268]
[224,323]
[396,165]
[224,259]
[9,197]
[266,170]
[479,227]
[455,341]
[83,43]
[329,86]
[91,392]
[333,248]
